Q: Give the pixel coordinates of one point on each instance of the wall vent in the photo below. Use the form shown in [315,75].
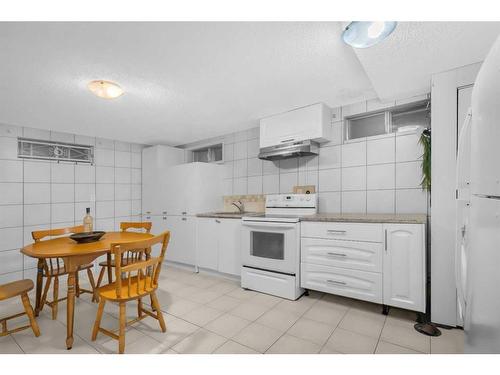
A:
[28,148]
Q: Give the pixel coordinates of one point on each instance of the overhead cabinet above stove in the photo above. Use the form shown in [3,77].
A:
[311,123]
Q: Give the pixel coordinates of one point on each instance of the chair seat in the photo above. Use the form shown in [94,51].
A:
[62,270]
[109,291]
[15,288]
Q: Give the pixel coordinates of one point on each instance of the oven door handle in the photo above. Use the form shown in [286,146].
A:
[268,225]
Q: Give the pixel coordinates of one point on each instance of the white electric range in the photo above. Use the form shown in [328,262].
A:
[271,245]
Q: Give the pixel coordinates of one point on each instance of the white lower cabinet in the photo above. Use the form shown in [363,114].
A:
[207,242]
[404,266]
[343,281]
[218,245]
[229,257]
[364,256]
[158,225]
[381,263]
[181,247]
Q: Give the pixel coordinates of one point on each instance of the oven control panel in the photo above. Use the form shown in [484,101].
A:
[291,201]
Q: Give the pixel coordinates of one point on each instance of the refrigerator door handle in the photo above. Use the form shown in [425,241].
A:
[460,151]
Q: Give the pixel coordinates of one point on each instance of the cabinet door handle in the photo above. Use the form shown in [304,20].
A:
[164,212]
[287,140]
[336,231]
[217,221]
[385,241]
[148,217]
[337,254]
[184,219]
[184,213]
[164,218]
[336,282]
[148,212]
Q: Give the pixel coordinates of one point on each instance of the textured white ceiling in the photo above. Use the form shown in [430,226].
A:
[403,63]
[183,81]
[189,81]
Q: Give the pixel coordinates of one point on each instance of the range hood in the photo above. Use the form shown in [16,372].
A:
[289,150]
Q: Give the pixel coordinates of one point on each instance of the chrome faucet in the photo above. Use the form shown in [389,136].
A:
[239,206]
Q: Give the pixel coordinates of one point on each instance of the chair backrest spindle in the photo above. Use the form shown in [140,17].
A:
[39,235]
[133,262]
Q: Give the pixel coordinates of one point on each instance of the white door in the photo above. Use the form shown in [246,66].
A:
[207,238]
[229,234]
[404,266]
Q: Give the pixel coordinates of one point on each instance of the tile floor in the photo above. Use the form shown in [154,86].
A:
[210,314]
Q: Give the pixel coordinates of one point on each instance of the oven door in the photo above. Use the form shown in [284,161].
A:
[272,246]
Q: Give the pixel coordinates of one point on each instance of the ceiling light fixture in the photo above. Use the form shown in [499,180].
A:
[363,34]
[105,89]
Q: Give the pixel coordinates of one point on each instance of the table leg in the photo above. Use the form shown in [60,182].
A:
[39,285]
[70,314]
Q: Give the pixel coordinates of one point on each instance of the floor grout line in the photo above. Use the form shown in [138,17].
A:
[269,304]
[337,326]
[380,335]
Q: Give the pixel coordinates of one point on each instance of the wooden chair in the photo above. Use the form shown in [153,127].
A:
[14,289]
[109,263]
[136,275]
[54,267]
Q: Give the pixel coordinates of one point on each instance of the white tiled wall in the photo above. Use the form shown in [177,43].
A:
[40,194]
[375,175]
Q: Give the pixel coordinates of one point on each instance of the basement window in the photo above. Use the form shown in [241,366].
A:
[411,117]
[55,151]
[208,154]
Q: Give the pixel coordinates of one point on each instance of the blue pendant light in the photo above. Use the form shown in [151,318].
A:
[363,34]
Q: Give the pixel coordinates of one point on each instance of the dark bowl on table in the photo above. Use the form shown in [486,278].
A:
[86,237]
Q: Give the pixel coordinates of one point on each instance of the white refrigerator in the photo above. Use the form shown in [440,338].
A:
[478,227]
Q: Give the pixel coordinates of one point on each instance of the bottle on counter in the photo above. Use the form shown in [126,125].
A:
[88,222]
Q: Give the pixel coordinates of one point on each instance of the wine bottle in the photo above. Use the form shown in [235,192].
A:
[88,222]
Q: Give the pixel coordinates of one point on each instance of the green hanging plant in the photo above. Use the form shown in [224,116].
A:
[425,141]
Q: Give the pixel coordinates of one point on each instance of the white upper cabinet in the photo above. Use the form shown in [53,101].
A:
[312,122]
[191,188]
[155,160]
[404,266]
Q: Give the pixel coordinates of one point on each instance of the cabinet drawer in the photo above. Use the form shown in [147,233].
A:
[362,285]
[364,256]
[343,231]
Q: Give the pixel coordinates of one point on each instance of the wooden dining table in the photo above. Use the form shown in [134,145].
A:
[74,255]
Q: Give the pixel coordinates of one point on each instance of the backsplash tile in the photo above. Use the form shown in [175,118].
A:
[38,195]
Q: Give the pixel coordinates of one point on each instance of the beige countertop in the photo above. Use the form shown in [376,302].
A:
[368,218]
[228,215]
[334,217]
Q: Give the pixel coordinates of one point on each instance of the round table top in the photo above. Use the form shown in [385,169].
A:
[65,247]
